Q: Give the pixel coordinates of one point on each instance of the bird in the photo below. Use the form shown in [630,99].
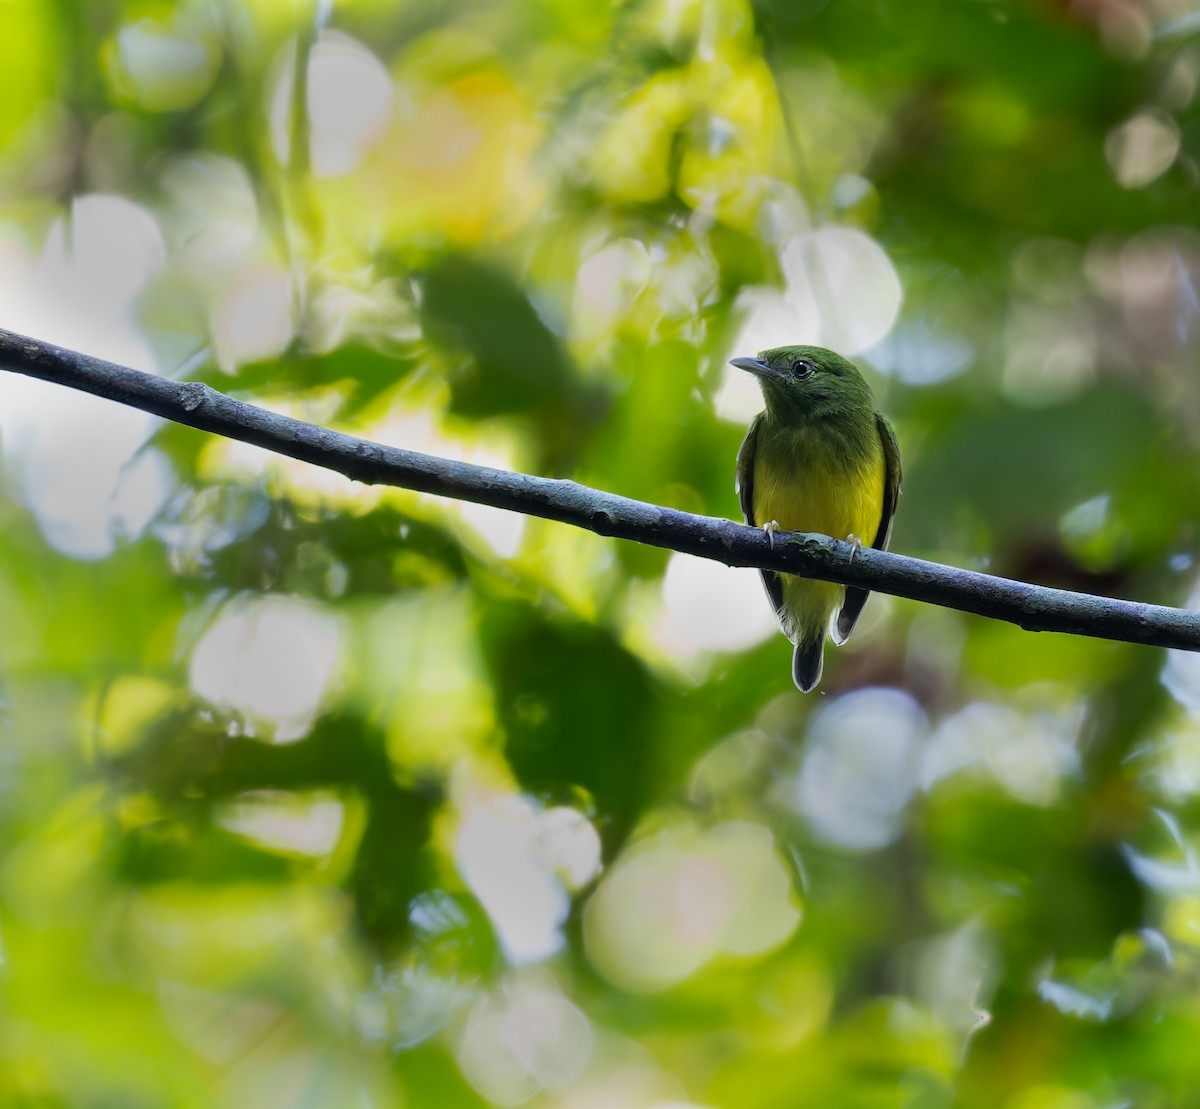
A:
[820,458]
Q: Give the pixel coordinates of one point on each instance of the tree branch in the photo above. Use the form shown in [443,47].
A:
[1033,607]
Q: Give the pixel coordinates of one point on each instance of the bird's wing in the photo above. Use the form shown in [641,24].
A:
[855,598]
[744,487]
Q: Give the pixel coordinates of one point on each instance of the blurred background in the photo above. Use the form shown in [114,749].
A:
[314,794]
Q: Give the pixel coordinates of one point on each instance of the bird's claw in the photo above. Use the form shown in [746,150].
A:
[771,527]
[856,545]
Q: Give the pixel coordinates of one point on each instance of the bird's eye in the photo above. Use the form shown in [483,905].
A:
[801,368]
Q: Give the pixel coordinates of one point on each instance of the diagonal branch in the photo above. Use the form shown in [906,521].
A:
[1033,607]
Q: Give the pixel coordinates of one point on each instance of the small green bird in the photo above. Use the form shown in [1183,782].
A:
[819,458]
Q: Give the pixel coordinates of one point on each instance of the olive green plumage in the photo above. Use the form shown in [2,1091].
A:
[818,458]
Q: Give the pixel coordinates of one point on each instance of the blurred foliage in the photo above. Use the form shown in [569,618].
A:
[322,795]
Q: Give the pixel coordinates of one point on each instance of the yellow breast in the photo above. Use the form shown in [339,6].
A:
[811,489]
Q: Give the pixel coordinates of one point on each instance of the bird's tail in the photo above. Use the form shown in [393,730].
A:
[807,660]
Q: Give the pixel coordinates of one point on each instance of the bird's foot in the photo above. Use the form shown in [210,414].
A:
[771,527]
[856,545]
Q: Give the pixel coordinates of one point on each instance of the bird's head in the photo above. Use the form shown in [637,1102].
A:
[806,381]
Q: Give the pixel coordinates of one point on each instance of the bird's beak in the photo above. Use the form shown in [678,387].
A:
[761,369]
